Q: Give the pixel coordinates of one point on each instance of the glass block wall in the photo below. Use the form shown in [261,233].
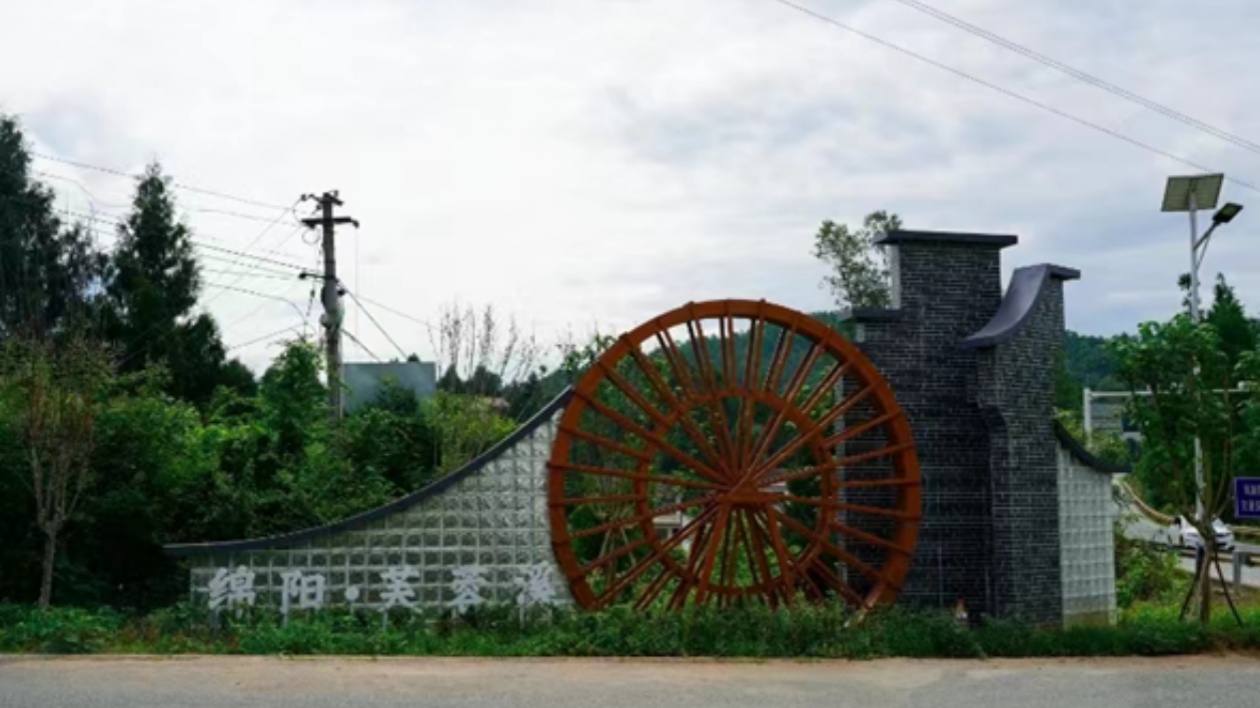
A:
[481,536]
[1086,533]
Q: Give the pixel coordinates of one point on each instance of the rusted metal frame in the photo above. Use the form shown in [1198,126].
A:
[630,521]
[717,409]
[846,506]
[760,469]
[706,572]
[610,557]
[852,432]
[609,499]
[843,555]
[838,463]
[626,474]
[680,411]
[766,439]
[637,569]
[663,445]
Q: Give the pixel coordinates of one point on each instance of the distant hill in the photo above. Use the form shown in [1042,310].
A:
[1086,360]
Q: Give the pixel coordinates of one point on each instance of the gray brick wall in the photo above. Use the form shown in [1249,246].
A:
[944,290]
[982,416]
[1016,395]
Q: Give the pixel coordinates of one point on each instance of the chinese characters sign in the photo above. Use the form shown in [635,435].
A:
[235,590]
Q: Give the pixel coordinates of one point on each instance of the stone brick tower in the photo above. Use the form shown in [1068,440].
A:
[974,372]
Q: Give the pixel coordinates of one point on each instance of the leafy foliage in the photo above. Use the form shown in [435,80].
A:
[860,270]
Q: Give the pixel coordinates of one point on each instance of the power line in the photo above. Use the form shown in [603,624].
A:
[1008,92]
[265,337]
[178,185]
[363,346]
[373,321]
[248,274]
[206,303]
[1080,75]
[255,293]
[394,311]
[242,254]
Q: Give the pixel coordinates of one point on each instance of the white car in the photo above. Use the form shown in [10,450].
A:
[1184,535]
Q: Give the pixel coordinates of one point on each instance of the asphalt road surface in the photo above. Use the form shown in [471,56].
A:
[214,682]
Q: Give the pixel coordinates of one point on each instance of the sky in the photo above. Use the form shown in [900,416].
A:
[582,165]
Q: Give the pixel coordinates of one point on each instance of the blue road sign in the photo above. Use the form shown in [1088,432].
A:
[1247,497]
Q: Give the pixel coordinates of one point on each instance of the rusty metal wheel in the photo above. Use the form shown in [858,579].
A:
[733,451]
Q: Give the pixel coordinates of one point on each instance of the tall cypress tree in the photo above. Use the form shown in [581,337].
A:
[48,272]
[153,284]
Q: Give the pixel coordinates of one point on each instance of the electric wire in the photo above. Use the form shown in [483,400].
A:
[372,319]
[1080,75]
[1008,92]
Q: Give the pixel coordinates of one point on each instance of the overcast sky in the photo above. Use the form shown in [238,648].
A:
[597,162]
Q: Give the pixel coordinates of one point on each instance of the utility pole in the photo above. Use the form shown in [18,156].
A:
[331,296]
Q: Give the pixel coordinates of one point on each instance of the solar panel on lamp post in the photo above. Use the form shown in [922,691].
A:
[1190,194]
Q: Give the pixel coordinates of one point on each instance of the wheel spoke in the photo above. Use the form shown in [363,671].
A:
[638,568]
[836,583]
[606,443]
[662,444]
[613,556]
[715,404]
[853,431]
[706,572]
[870,538]
[846,506]
[680,411]
[688,578]
[836,463]
[782,348]
[631,521]
[626,474]
[654,588]
[759,468]
[846,557]
[766,439]
[610,499]
[748,405]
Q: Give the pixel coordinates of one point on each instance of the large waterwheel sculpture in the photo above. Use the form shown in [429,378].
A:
[729,452]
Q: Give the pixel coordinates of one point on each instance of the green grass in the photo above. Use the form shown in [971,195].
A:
[806,632]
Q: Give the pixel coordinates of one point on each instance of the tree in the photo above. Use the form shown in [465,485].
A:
[478,356]
[860,269]
[152,287]
[47,271]
[55,388]
[1191,382]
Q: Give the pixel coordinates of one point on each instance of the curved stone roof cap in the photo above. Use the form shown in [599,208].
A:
[1084,456]
[400,504]
[1018,304]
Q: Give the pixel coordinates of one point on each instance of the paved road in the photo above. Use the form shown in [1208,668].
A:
[204,682]
[1250,573]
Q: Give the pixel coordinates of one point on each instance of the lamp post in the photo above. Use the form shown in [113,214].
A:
[1190,194]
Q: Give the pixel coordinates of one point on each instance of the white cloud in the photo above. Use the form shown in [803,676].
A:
[578,162]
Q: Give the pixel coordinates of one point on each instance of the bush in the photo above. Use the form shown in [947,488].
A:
[801,631]
[1145,574]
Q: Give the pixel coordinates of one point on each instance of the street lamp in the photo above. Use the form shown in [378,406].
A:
[1190,194]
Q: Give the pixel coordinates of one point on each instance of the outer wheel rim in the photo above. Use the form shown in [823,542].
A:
[743,510]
